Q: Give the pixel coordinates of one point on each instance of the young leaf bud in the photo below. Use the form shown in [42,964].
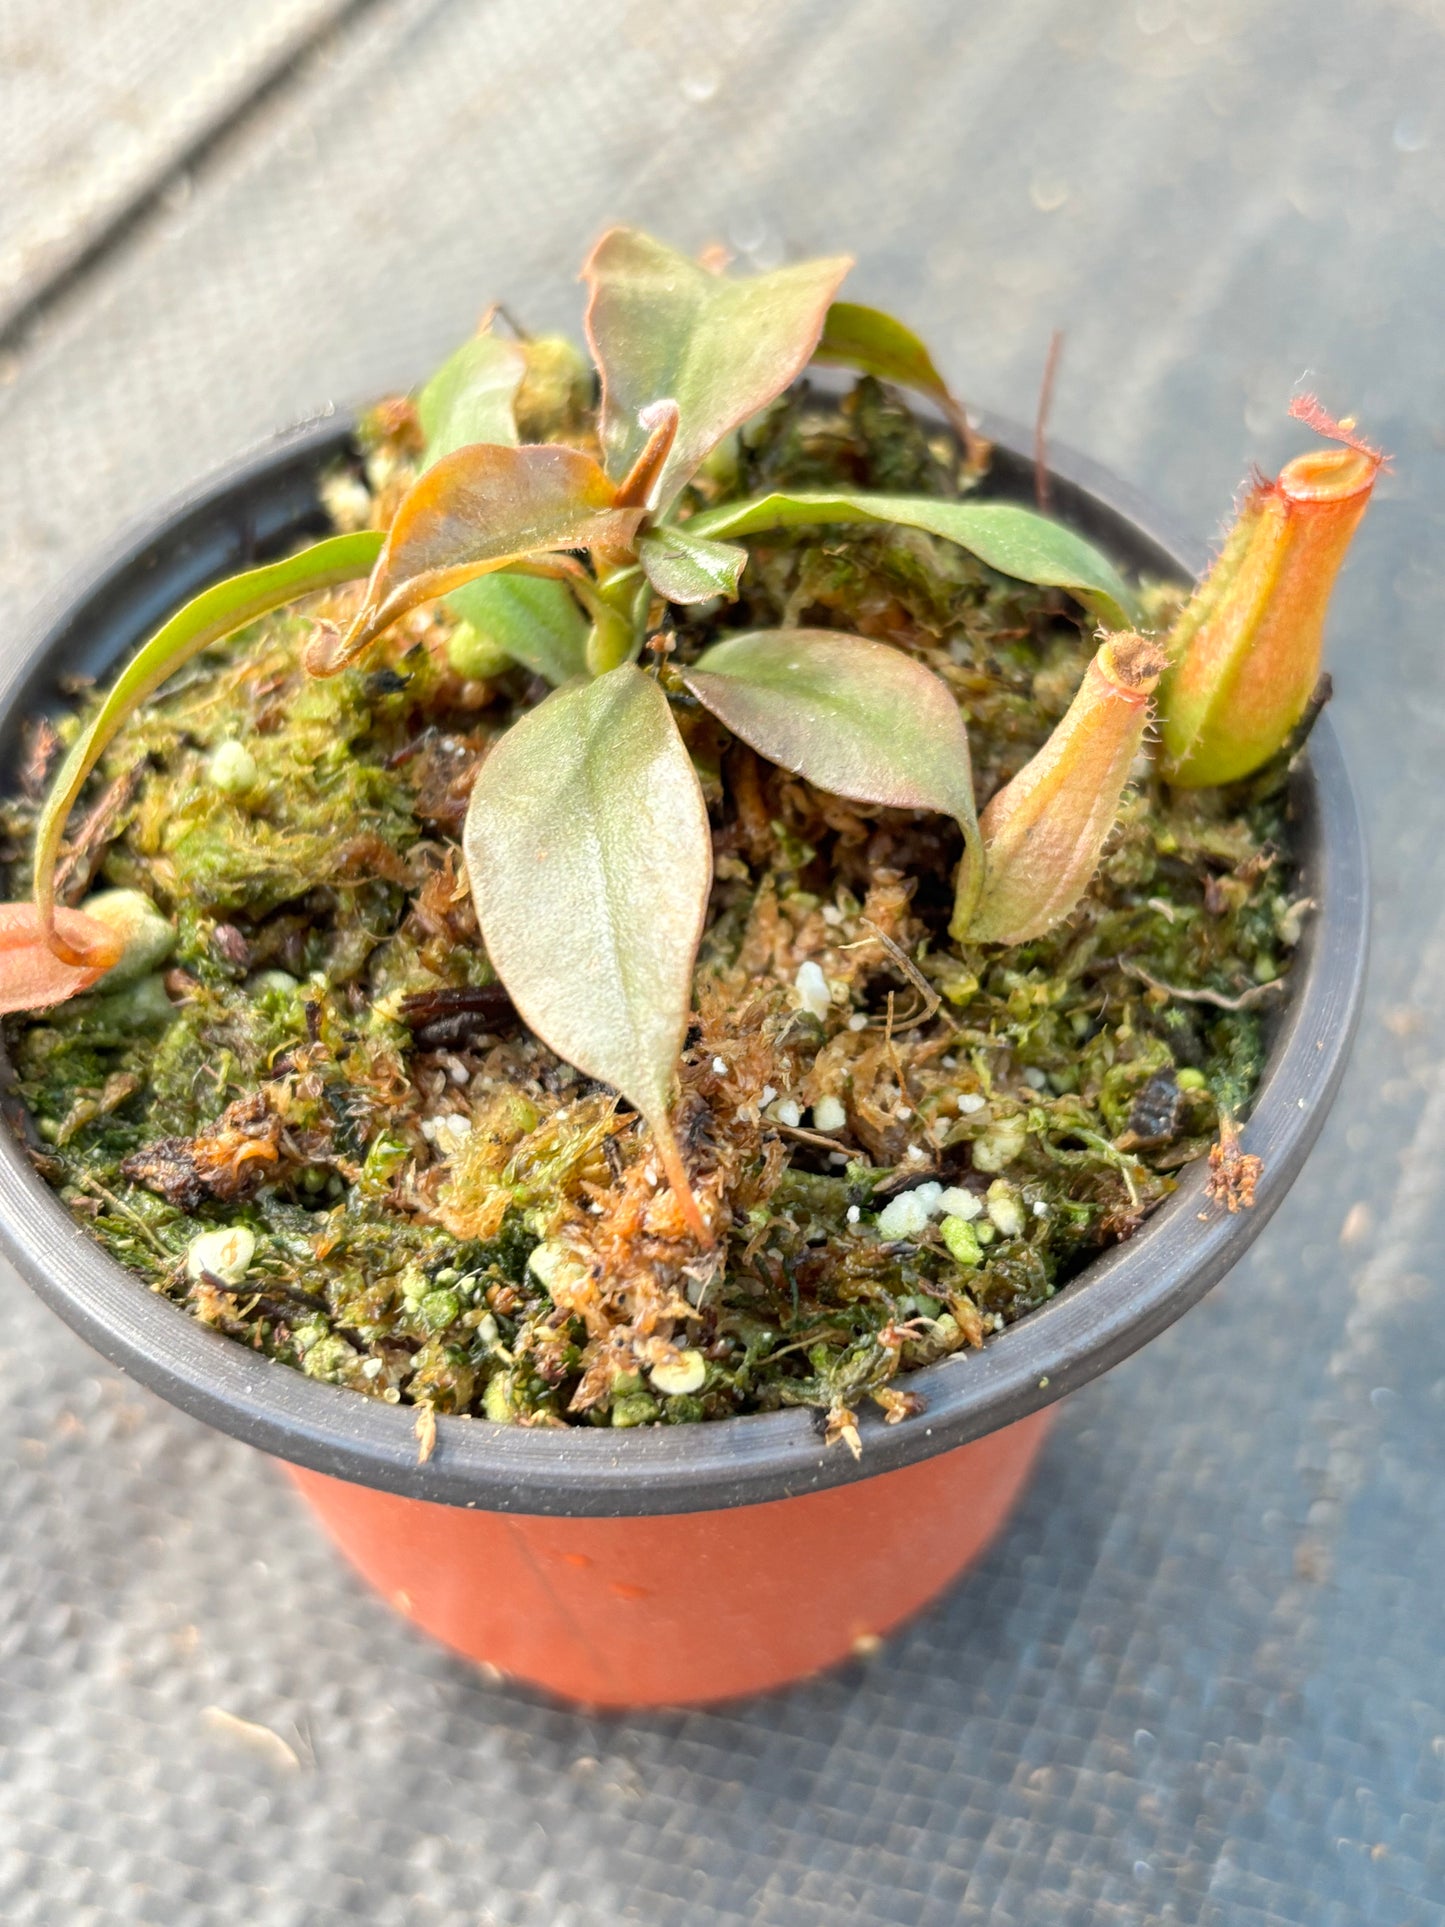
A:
[1244,654]
[1042,833]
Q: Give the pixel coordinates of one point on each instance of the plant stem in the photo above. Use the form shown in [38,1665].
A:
[619,619]
[676,1173]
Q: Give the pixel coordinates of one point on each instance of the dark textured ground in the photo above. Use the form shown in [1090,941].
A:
[1201,1679]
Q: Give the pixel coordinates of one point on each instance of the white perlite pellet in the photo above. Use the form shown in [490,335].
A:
[232,768]
[956,1202]
[812,988]
[685,1374]
[225,1255]
[447,1133]
[905,1216]
[1005,1209]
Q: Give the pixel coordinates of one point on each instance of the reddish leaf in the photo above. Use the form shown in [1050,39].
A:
[32,977]
[663,328]
[480,509]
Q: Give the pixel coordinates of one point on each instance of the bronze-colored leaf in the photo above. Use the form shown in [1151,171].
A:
[479,509]
[32,977]
[663,328]
[472,398]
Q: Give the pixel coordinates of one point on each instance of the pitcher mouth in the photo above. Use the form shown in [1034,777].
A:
[1328,475]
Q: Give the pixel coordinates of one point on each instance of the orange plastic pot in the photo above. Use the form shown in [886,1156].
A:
[691,1562]
[690,1606]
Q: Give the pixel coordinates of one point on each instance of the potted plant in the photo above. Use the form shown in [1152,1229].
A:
[553,999]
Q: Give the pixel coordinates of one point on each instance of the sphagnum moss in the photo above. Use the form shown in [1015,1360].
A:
[914,1142]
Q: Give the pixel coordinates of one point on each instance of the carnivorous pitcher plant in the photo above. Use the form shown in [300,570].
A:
[587,843]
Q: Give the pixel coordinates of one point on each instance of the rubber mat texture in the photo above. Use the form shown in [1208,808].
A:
[1199,1681]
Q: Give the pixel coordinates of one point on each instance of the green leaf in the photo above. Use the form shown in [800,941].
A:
[688,568]
[480,509]
[663,328]
[1015,541]
[590,859]
[208,618]
[537,623]
[877,344]
[470,397]
[855,717]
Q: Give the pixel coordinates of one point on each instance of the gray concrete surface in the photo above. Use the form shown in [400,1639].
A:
[1200,1681]
[102,105]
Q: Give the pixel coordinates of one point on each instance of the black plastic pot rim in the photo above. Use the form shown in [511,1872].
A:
[264,501]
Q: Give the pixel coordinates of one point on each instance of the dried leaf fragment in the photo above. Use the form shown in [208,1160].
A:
[1233,1174]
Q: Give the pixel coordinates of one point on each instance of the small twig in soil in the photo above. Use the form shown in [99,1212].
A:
[1255,994]
[97,1189]
[1322,693]
[805,1136]
[498,311]
[1042,493]
[41,755]
[270,1291]
[932,1002]
[1234,1174]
